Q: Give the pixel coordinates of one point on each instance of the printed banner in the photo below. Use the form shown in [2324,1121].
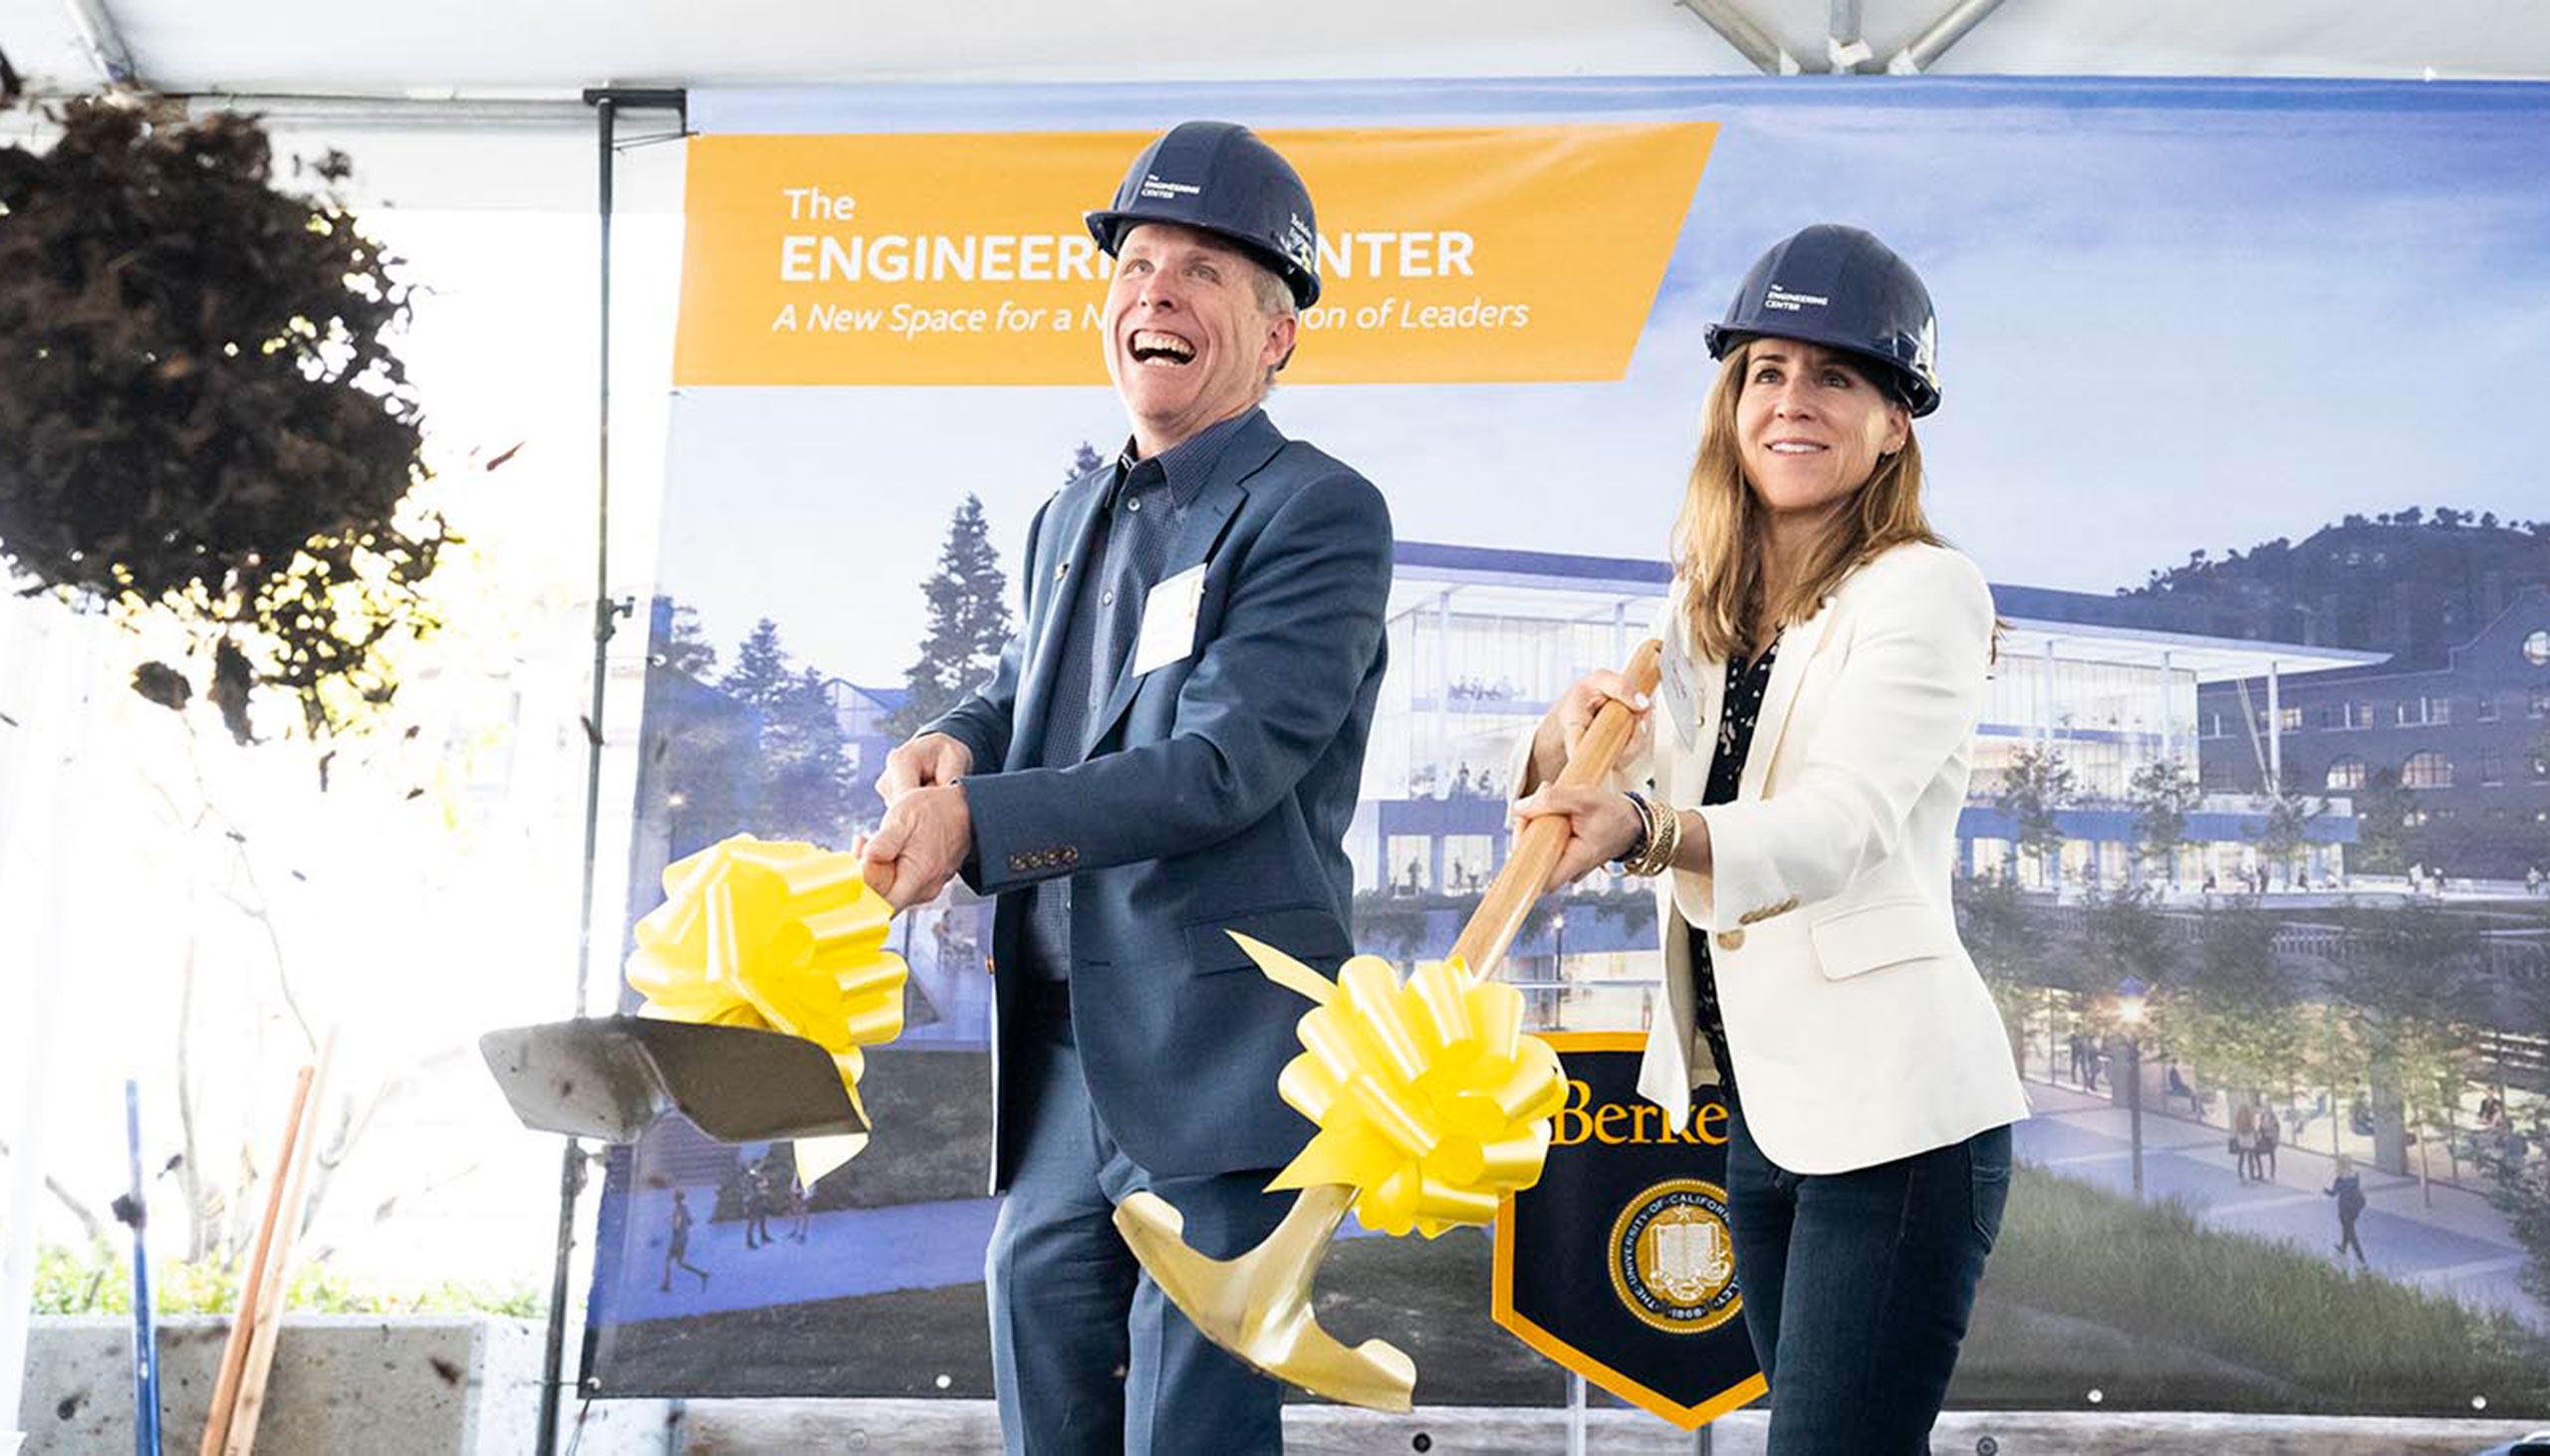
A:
[2253,856]
[1447,255]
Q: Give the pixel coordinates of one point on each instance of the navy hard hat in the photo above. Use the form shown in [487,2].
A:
[1842,288]
[1223,178]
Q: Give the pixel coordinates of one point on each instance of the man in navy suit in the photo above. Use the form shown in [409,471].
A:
[1170,750]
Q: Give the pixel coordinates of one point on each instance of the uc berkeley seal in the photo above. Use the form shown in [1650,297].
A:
[1672,1258]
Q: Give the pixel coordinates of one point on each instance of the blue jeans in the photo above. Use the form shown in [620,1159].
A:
[1857,1286]
[1088,1355]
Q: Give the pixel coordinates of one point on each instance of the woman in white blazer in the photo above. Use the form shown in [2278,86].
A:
[1797,799]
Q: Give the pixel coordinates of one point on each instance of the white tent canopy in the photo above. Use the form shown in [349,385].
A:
[476,104]
[504,49]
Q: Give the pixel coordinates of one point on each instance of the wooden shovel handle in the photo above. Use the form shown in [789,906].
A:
[1492,927]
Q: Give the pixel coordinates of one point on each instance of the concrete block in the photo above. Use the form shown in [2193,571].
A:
[378,1385]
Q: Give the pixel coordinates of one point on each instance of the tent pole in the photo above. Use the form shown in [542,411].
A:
[605,101]
[103,41]
[1844,46]
[1950,28]
[1749,40]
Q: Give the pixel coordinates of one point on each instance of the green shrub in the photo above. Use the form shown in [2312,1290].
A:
[98,1281]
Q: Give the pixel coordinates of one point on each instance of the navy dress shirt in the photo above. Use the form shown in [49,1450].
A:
[1143,511]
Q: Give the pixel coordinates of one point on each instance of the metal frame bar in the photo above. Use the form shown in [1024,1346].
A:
[1951,27]
[103,41]
[607,103]
[363,113]
[1844,47]
[1749,40]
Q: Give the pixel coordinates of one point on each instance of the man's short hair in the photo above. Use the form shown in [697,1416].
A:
[1275,301]
[1274,295]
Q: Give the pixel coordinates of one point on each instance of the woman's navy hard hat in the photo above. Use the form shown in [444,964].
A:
[1842,288]
[1221,178]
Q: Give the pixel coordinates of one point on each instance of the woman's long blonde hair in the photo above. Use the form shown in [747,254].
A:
[1717,557]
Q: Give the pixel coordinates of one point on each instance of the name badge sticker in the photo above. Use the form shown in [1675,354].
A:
[1682,701]
[1170,615]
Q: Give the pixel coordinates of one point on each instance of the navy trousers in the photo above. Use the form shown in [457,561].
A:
[1088,1355]
[1858,1287]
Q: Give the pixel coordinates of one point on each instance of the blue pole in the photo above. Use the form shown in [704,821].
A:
[145,1329]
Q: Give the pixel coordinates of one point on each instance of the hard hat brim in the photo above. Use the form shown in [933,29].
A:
[1108,225]
[1917,395]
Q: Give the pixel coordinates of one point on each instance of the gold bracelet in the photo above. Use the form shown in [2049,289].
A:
[1663,856]
[1663,835]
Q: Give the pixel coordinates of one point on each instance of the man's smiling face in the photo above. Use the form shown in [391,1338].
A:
[1189,344]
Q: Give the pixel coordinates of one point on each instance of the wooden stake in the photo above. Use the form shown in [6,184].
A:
[234,1350]
[251,1401]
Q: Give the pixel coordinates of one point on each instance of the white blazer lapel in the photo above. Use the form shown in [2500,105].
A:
[1797,648]
[1711,694]
[1682,765]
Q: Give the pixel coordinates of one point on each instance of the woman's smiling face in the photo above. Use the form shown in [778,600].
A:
[1811,426]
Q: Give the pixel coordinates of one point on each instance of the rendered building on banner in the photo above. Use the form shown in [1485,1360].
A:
[2465,732]
[863,713]
[1481,640]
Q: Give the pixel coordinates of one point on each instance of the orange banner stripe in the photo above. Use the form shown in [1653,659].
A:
[1449,255]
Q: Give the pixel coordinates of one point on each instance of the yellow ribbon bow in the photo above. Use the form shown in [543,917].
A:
[1431,1099]
[778,935]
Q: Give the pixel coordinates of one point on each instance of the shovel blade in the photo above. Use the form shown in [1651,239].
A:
[1377,1374]
[1259,1305]
[610,1079]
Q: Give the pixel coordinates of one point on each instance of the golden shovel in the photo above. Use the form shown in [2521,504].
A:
[1259,1305]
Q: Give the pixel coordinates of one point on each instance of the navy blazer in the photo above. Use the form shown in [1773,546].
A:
[1212,795]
